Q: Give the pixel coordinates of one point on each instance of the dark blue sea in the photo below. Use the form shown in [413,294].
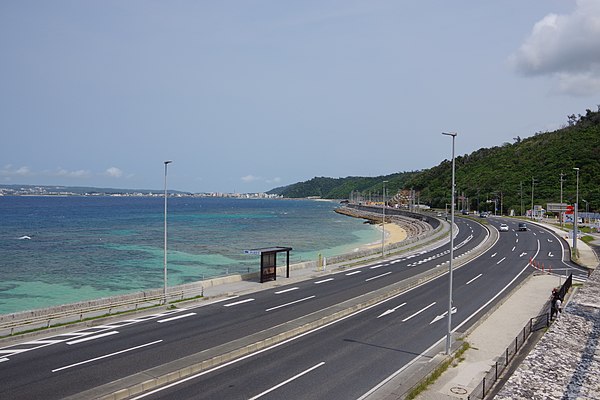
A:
[91,247]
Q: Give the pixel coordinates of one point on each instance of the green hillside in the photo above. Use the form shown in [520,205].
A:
[503,173]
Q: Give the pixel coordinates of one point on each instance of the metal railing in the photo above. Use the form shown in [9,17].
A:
[46,320]
[536,323]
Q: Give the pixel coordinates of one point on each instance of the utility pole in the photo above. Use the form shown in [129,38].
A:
[532,189]
[561,199]
[521,198]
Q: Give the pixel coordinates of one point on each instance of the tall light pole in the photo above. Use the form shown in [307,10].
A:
[449,332]
[561,199]
[165,263]
[532,189]
[383,223]
[575,223]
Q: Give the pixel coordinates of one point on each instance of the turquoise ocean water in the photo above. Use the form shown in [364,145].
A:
[79,248]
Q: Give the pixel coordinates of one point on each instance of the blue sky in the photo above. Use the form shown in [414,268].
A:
[245,96]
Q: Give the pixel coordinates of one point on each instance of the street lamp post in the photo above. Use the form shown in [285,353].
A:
[383,223]
[165,263]
[575,222]
[561,199]
[449,331]
[532,190]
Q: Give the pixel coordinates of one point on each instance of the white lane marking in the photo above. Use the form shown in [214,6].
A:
[287,381]
[160,321]
[106,356]
[290,303]
[221,300]
[378,276]
[514,247]
[436,319]
[494,255]
[523,254]
[353,273]
[550,254]
[391,310]
[377,266]
[517,241]
[503,258]
[238,302]
[85,339]
[13,351]
[287,290]
[418,312]
[323,281]
[44,341]
[3,359]
[474,278]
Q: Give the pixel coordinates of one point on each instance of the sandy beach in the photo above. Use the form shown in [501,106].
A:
[393,234]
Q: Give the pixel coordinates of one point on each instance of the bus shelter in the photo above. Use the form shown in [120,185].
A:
[268,261]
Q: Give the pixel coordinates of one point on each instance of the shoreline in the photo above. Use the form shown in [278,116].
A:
[393,234]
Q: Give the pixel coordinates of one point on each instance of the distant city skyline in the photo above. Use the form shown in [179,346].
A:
[248,96]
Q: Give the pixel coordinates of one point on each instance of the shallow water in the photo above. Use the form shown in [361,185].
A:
[90,247]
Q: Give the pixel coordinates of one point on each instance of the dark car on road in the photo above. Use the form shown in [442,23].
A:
[522,226]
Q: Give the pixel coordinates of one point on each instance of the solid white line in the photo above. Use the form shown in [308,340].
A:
[288,381]
[323,281]
[222,300]
[160,321]
[378,276]
[287,290]
[238,302]
[503,258]
[3,359]
[289,304]
[418,312]
[106,356]
[353,273]
[85,339]
[473,279]
[13,351]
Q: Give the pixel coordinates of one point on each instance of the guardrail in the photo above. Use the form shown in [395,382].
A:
[20,322]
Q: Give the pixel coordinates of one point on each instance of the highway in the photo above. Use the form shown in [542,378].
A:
[347,358]
[342,360]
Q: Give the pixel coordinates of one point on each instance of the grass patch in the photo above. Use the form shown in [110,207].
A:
[588,238]
[431,378]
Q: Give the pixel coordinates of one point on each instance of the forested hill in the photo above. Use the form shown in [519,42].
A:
[504,173]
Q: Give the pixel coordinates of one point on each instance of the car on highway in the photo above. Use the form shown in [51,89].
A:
[522,226]
[503,228]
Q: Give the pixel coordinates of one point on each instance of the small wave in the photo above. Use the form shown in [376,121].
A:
[25,237]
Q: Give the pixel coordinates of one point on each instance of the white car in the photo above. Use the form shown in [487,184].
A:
[503,228]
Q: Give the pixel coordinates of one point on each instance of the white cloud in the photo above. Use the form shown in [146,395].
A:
[250,178]
[114,172]
[566,47]
[80,173]
[9,170]
[274,180]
